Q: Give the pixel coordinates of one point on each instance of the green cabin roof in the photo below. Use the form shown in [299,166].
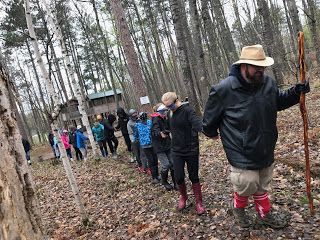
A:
[107,93]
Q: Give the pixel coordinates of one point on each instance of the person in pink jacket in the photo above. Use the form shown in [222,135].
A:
[66,143]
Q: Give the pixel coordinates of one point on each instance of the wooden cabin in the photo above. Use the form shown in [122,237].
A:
[101,102]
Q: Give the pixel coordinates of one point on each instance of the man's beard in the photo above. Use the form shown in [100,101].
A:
[256,79]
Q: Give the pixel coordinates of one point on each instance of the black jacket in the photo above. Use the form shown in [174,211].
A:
[246,118]
[73,139]
[184,127]
[50,137]
[122,121]
[111,118]
[159,125]
[108,129]
[26,145]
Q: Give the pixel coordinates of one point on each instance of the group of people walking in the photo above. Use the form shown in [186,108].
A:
[74,138]
[103,132]
[241,110]
[169,136]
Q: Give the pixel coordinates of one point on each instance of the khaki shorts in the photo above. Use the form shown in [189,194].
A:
[248,182]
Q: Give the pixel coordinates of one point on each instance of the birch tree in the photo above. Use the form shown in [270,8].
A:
[72,75]
[54,115]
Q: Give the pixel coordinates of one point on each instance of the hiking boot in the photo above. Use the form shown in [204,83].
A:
[164,180]
[240,215]
[272,221]
[155,181]
[175,186]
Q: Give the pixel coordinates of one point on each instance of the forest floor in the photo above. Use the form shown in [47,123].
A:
[123,204]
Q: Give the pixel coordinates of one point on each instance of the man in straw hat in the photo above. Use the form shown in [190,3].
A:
[244,108]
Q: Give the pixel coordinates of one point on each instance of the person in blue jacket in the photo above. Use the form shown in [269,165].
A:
[143,133]
[81,142]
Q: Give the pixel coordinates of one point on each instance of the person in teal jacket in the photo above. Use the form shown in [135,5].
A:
[98,132]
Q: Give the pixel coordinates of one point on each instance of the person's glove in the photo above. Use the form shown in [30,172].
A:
[302,88]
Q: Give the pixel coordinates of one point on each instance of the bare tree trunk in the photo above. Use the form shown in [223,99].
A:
[294,15]
[37,77]
[293,34]
[15,102]
[162,65]
[27,91]
[176,9]
[88,33]
[54,115]
[131,56]
[53,52]
[146,44]
[213,43]
[75,59]
[19,214]
[281,49]
[128,94]
[226,37]
[107,57]
[313,28]
[179,85]
[242,35]
[270,40]
[152,80]
[200,56]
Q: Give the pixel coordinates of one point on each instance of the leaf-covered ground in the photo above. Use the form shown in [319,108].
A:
[123,204]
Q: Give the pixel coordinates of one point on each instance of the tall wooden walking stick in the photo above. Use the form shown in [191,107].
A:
[303,110]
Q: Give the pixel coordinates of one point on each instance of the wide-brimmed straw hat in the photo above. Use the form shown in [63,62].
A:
[255,55]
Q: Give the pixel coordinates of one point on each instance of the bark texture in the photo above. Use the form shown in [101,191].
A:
[129,51]
[19,218]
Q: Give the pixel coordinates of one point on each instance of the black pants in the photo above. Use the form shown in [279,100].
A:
[103,147]
[192,167]
[113,143]
[136,152]
[69,154]
[152,161]
[128,141]
[78,153]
